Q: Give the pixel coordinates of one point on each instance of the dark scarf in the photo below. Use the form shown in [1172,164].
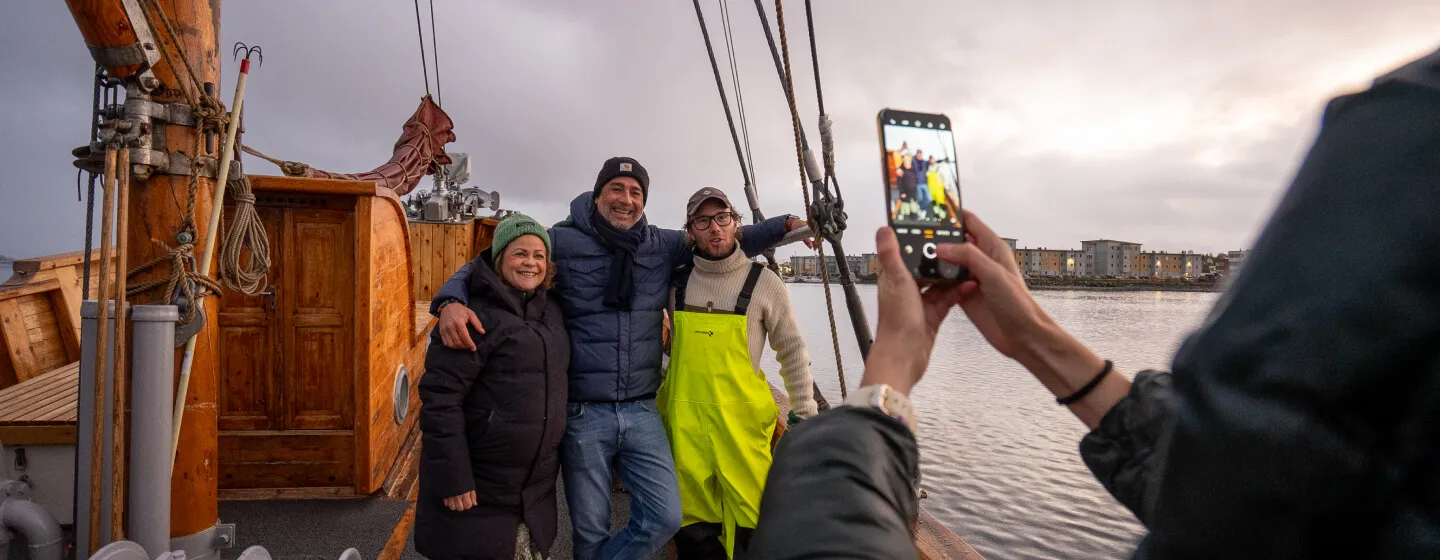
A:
[620,289]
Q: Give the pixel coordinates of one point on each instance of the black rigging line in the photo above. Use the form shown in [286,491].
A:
[435,54]
[814,57]
[739,91]
[725,103]
[820,99]
[420,31]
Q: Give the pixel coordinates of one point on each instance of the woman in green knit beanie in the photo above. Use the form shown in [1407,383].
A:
[491,419]
[521,274]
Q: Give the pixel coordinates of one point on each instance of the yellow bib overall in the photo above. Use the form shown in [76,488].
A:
[720,416]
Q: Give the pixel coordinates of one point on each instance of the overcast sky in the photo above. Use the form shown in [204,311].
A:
[1174,124]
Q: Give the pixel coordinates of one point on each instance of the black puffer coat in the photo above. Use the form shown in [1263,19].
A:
[491,421]
[1303,421]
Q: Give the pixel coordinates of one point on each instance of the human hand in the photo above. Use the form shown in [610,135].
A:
[909,320]
[995,297]
[794,223]
[454,318]
[462,502]
[665,328]
[1001,307]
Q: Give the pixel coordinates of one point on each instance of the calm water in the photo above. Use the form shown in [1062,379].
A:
[999,458]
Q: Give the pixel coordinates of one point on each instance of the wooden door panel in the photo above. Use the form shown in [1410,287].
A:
[248,343]
[245,378]
[317,398]
[318,294]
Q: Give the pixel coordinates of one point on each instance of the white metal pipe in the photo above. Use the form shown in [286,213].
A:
[151,374]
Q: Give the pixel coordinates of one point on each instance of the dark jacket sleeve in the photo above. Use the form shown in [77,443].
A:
[455,288]
[762,236]
[1288,403]
[840,487]
[445,447]
[1121,451]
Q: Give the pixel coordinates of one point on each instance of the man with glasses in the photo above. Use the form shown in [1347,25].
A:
[716,403]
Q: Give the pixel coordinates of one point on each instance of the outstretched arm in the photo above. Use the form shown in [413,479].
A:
[757,238]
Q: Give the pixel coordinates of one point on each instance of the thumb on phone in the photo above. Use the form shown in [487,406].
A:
[968,255]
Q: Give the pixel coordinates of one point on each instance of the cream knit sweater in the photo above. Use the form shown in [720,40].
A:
[717,284]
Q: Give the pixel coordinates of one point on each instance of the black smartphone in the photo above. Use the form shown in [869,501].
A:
[922,190]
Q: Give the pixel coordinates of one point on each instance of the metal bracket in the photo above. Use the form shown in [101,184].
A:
[173,113]
[179,164]
[125,55]
[206,544]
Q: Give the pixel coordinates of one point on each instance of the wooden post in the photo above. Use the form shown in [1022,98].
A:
[117,426]
[102,327]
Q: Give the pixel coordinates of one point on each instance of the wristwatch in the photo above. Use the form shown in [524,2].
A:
[884,400]
[447,301]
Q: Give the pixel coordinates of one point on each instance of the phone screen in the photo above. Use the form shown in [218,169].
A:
[922,189]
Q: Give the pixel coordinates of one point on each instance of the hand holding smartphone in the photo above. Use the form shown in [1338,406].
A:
[922,190]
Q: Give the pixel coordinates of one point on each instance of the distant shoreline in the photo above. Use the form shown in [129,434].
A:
[1211,288]
[1098,285]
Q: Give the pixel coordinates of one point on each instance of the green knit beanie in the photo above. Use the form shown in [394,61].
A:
[515,226]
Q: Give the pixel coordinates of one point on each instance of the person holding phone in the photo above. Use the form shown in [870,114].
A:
[613,272]
[1301,421]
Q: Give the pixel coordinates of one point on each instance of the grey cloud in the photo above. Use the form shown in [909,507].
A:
[542,92]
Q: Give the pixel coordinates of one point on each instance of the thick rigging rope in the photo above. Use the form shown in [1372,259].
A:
[800,156]
[424,63]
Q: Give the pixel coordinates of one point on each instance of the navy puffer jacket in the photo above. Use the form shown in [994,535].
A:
[615,355]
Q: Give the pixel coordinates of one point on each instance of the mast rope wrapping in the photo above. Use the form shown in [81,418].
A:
[800,155]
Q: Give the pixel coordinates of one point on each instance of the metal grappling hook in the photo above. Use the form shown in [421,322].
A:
[249,51]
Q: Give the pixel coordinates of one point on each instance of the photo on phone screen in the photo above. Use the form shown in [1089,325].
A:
[922,188]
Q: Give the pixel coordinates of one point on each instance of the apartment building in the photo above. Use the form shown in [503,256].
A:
[1160,264]
[1107,257]
[1237,260]
[809,265]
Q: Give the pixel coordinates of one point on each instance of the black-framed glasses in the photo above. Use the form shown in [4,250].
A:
[722,219]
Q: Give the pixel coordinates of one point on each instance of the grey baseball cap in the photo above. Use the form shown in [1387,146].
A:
[703,195]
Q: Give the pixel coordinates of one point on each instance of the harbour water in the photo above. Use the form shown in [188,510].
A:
[999,459]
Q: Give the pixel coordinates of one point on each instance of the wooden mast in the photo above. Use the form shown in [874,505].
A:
[157,212]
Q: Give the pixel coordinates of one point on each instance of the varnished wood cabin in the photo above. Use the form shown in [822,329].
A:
[317,375]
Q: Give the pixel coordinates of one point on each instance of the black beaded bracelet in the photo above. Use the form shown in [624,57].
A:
[1065,401]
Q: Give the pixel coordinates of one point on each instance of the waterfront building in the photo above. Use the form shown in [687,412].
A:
[1107,257]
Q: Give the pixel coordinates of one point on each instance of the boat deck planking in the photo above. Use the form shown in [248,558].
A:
[41,410]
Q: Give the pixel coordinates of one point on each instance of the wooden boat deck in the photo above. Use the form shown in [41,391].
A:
[41,410]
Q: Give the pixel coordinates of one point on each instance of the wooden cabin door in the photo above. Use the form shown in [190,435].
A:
[286,372]
[316,297]
[248,351]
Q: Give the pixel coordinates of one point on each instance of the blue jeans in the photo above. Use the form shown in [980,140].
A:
[628,435]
